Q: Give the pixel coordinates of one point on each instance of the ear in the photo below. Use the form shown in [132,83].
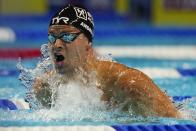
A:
[89,46]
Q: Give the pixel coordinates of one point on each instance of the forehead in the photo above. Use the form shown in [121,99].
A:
[62,28]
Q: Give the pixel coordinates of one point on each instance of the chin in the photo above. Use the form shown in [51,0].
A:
[64,69]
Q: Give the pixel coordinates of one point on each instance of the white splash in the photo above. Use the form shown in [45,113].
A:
[188,108]
[72,100]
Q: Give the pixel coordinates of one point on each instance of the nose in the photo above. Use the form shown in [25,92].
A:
[58,45]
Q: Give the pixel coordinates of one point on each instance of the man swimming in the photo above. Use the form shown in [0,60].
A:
[70,37]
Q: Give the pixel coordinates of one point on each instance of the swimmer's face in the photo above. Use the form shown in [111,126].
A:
[69,52]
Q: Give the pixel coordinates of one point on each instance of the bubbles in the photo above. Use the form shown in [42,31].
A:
[70,100]
[77,100]
[188,108]
[28,76]
[107,57]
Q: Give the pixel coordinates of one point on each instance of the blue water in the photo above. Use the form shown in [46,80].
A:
[10,87]
[111,29]
[32,32]
[184,86]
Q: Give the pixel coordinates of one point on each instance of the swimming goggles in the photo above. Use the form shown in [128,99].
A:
[66,37]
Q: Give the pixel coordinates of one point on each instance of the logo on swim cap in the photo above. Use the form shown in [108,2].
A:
[76,16]
[81,13]
[56,20]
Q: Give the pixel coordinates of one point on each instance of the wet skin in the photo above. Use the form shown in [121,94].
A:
[74,53]
[120,84]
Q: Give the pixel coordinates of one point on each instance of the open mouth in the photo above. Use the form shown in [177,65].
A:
[59,58]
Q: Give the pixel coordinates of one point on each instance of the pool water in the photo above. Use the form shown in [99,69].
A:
[176,77]
[79,111]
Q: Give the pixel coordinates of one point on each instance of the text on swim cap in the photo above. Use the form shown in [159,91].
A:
[90,18]
[57,19]
[86,27]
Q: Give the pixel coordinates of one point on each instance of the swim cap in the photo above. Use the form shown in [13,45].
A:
[76,16]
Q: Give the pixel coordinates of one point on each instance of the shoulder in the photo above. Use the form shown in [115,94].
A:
[118,71]
[112,66]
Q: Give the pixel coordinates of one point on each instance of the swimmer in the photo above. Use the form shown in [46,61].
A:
[70,36]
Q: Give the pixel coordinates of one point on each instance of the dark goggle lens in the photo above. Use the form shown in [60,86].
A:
[51,38]
[68,38]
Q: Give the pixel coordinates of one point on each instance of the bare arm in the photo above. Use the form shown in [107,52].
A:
[144,92]
[136,88]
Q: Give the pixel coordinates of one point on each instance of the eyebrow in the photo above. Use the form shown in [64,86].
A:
[53,31]
[62,33]
[61,29]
